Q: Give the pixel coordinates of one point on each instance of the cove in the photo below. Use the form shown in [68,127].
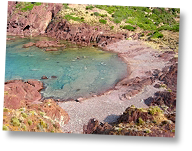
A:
[79,72]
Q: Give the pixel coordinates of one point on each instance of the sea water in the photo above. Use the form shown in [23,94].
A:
[80,72]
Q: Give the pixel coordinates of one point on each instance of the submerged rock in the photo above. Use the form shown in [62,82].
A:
[28,45]
[51,49]
[53,77]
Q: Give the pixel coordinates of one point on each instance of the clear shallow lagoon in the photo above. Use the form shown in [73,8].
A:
[80,72]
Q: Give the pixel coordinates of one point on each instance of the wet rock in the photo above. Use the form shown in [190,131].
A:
[28,45]
[8,39]
[44,77]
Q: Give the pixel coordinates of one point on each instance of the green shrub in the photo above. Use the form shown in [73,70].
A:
[157,35]
[102,21]
[5,110]
[24,115]
[164,27]
[175,28]
[117,21]
[111,27]
[69,17]
[154,110]
[156,11]
[96,13]
[15,121]
[28,7]
[89,7]
[37,3]
[140,121]
[30,122]
[129,27]
[103,15]
[66,6]
[5,128]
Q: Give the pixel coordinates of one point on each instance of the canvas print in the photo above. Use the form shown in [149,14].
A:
[91,69]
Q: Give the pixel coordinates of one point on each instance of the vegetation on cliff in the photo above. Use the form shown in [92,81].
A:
[43,117]
[153,19]
[26,6]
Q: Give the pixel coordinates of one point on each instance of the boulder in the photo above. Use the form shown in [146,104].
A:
[44,77]
[94,127]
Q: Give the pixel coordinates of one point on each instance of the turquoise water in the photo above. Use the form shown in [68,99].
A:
[80,72]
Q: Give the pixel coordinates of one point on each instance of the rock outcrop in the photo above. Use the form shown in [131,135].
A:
[135,122]
[32,22]
[46,116]
[42,20]
[25,111]
[82,34]
[18,93]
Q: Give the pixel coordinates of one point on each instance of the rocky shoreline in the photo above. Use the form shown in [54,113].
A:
[152,78]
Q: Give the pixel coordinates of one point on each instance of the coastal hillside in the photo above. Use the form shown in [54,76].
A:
[157,26]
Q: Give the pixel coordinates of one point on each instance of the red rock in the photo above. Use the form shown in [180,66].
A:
[51,49]
[28,45]
[94,127]
[37,84]
[44,77]
[32,22]
[17,93]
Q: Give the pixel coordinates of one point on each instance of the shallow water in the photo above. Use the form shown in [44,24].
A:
[94,72]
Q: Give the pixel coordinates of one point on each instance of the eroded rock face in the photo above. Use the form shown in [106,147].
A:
[133,115]
[82,34]
[18,93]
[30,23]
[164,99]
